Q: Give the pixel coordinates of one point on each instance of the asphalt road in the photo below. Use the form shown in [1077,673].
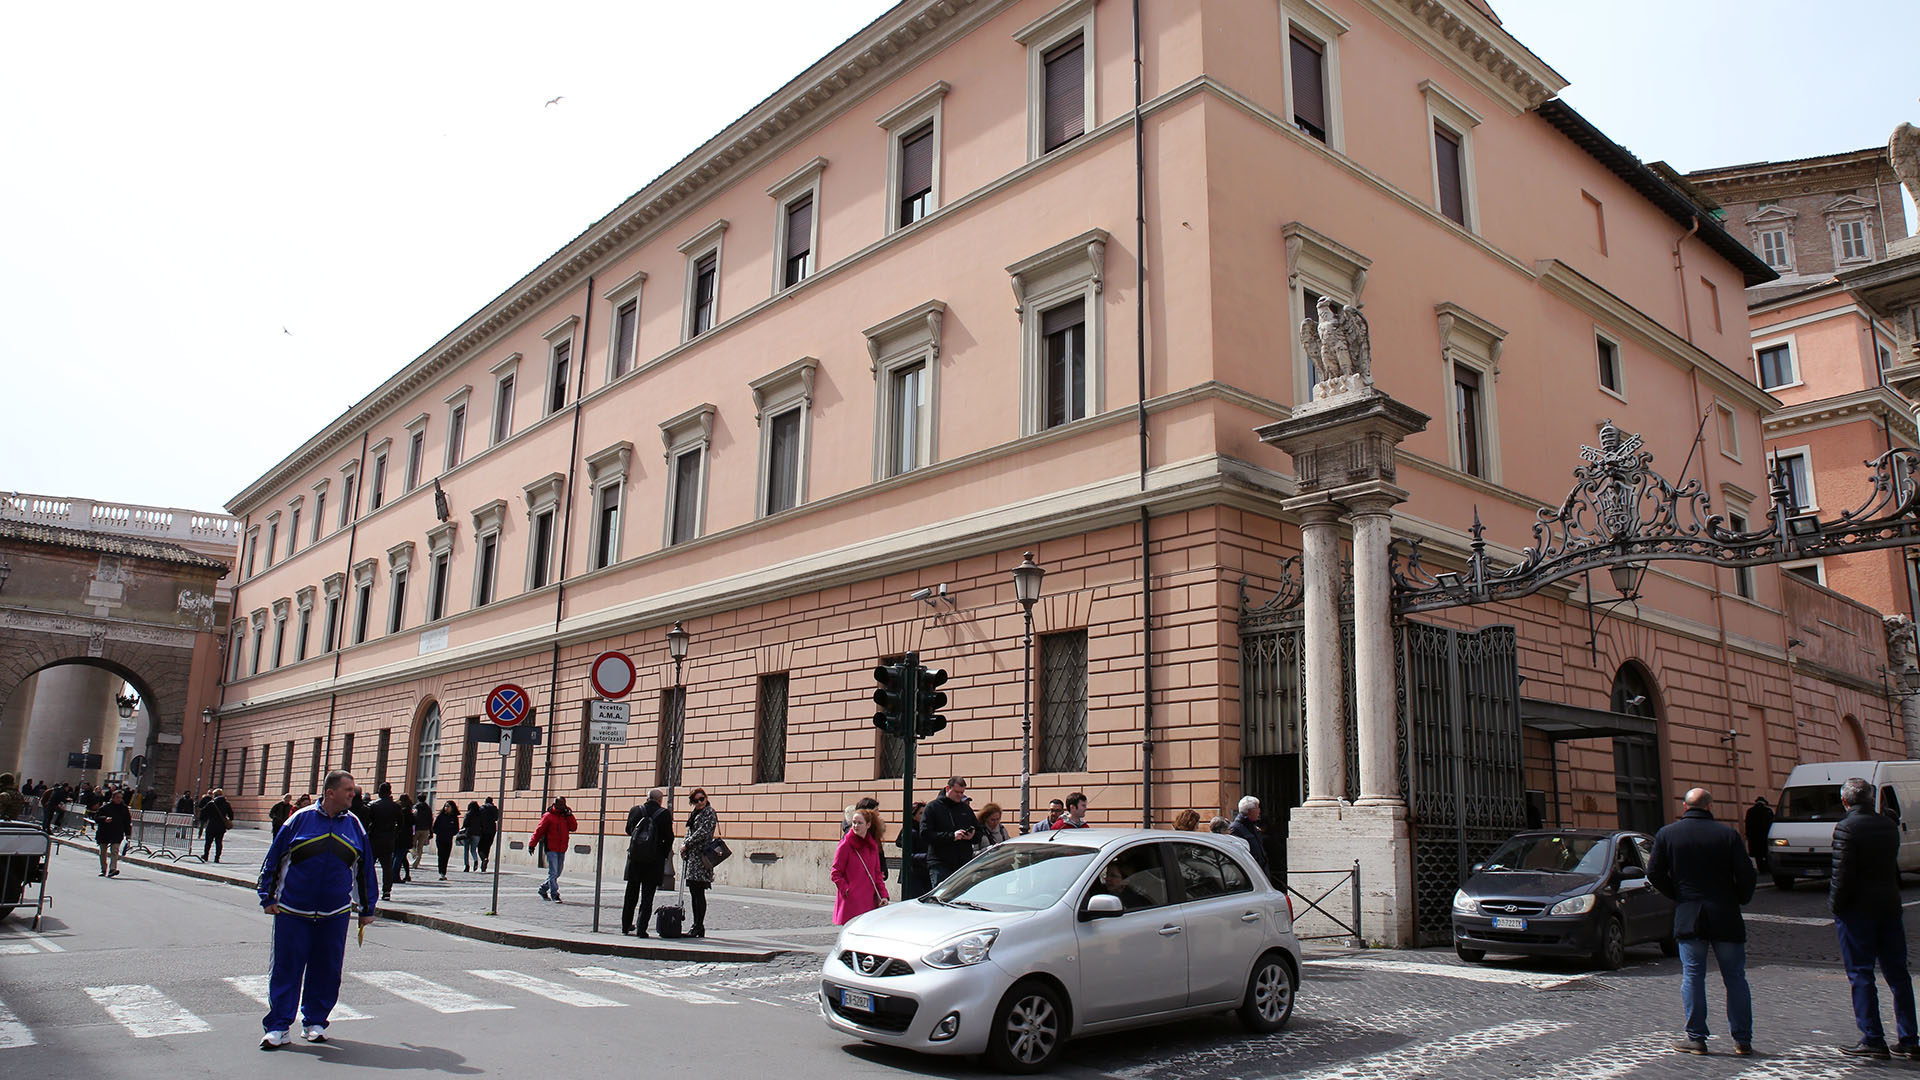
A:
[152,974]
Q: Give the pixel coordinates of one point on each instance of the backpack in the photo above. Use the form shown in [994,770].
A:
[641,844]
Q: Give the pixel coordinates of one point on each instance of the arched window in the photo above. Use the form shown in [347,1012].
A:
[426,758]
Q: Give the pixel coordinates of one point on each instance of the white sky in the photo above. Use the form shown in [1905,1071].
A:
[222,224]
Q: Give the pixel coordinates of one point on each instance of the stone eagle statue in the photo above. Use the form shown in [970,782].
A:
[1337,346]
[1903,150]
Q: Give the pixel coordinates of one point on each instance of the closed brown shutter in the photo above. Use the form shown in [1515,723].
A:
[916,162]
[1309,87]
[1446,159]
[799,227]
[1066,118]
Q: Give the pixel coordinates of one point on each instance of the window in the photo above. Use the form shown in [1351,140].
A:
[913,156]
[253,551]
[1312,62]
[487,522]
[589,774]
[303,634]
[1774,249]
[1470,360]
[273,536]
[687,438]
[523,767]
[503,387]
[558,372]
[259,640]
[1883,354]
[240,778]
[313,768]
[1612,378]
[416,458]
[905,351]
[286,767]
[669,749]
[1137,876]
[1728,423]
[346,752]
[702,302]
[293,528]
[770,745]
[265,754]
[1308,81]
[439,569]
[1317,266]
[1063,701]
[1812,571]
[457,428]
[236,650]
[380,756]
[543,517]
[782,404]
[1207,873]
[334,587]
[1599,222]
[607,479]
[1452,124]
[1742,576]
[349,495]
[280,614]
[362,600]
[797,242]
[907,405]
[1793,469]
[1058,300]
[319,510]
[469,763]
[623,343]
[1776,367]
[1713,303]
[1852,238]
[1060,77]
[397,603]
[377,489]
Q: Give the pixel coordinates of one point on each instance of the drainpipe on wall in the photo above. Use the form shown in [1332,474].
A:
[566,533]
[340,639]
[1680,277]
[1140,355]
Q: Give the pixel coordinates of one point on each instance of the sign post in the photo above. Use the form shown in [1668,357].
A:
[612,676]
[507,705]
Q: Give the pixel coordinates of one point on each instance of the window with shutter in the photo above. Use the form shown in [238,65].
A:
[783,462]
[626,333]
[705,280]
[1309,86]
[1446,160]
[800,240]
[686,496]
[1066,117]
[1467,418]
[557,384]
[916,175]
[1064,332]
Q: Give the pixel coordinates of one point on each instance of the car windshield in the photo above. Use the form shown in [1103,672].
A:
[1819,802]
[1552,853]
[1016,877]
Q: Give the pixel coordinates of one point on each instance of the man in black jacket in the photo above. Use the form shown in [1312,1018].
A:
[113,823]
[1246,826]
[947,826]
[383,825]
[649,850]
[1865,898]
[1759,824]
[1704,867]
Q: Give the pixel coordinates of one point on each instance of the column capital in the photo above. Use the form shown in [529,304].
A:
[1317,508]
[1371,497]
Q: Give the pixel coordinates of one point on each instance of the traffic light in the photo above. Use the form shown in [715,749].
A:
[930,700]
[891,698]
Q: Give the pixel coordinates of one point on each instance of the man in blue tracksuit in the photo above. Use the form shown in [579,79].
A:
[319,871]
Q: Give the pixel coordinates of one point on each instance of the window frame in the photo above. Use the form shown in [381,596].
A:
[1472,342]
[303,636]
[1322,28]
[487,524]
[1071,270]
[362,600]
[282,611]
[506,387]
[708,241]
[459,411]
[236,650]
[1819,567]
[607,470]
[1446,111]
[1792,345]
[399,571]
[907,118]
[294,506]
[416,473]
[626,292]
[912,337]
[765,769]
[776,394]
[333,590]
[349,493]
[1785,234]
[1834,227]
[1602,342]
[440,539]
[1042,36]
[1804,452]
[688,433]
[252,557]
[557,390]
[1739,521]
[378,475]
[802,183]
[543,499]
[257,638]
[319,511]
[1727,420]
[272,537]
[1045,739]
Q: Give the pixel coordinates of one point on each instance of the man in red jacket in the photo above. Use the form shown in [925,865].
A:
[555,829]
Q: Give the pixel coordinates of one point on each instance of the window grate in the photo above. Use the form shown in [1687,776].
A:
[770,745]
[1063,703]
[670,746]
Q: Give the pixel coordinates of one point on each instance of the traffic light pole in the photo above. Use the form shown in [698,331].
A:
[910,733]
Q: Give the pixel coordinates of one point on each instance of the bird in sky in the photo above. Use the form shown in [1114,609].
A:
[286,331]
[555,101]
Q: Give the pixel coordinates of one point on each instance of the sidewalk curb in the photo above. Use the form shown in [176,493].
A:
[492,935]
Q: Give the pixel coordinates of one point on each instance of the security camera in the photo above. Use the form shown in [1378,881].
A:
[923,594]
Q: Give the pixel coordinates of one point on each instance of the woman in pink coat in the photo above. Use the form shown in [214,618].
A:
[859,881]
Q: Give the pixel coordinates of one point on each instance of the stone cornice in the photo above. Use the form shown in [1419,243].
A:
[902,36]
[1876,402]
[1476,47]
[1772,179]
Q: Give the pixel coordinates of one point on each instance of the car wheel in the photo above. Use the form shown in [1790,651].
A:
[1783,882]
[1471,956]
[1612,950]
[1269,1000]
[1669,947]
[1028,1028]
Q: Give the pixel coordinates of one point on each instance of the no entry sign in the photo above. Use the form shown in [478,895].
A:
[508,704]
[612,675]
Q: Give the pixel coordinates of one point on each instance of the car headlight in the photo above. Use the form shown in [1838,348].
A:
[1780,842]
[963,951]
[1464,904]
[1573,905]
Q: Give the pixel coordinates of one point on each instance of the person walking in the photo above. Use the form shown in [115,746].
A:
[913,871]
[112,824]
[1865,898]
[217,816]
[991,831]
[317,874]
[703,824]
[200,815]
[485,831]
[859,882]
[467,838]
[446,826]
[1246,826]
[1759,823]
[404,831]
[948,828]
[1702,865]
[422,828]
[282,810]
[184,807]
[649,849]
[1076,815]
[554,829]
[382,822]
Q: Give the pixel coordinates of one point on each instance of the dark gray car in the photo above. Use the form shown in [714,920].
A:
[1563,892]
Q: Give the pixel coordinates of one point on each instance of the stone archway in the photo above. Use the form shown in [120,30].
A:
[1636,758]
[425,748]
[1853,740]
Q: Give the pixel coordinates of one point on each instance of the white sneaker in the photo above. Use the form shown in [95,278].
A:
[315,1033]
[273,1040]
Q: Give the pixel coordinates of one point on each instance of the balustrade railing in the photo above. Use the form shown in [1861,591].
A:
[127,519]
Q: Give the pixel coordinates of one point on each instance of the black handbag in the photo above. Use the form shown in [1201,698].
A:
[716,852]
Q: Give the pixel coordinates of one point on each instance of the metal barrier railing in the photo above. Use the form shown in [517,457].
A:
[23,860]
[1348,927]
[152,831]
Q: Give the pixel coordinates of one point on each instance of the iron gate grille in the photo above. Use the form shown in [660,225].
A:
[1461,702]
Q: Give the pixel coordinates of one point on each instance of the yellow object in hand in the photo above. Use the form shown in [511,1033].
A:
[363,933]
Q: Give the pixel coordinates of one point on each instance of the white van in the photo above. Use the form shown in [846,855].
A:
[1800,844]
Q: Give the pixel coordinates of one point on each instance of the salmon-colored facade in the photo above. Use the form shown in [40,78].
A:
[945,427]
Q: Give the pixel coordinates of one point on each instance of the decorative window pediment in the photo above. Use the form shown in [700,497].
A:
[915,330]
[400,556]
[1466,336]
[440,538]
[282,607]
[303,598]
[490,517]
[611,464]
[1848,204]
[1081,260]
[790,383]
[1327,266]
[333,586]
[544,493]
[1771,213]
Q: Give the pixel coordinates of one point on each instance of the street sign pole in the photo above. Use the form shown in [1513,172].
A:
[500,824]
[600,848]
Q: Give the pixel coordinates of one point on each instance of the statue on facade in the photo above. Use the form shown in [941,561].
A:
[1337,349]
[1903,150]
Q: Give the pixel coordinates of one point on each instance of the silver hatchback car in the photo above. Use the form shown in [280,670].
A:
[1068,933]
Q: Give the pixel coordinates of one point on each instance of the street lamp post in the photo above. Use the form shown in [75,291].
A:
[1026,592]
[206,721]
[677,639]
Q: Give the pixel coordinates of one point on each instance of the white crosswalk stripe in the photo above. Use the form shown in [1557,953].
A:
[1803,1063]
[13,1033]
[31,941]
[1609,1062]
[1298,1040]
[255,987]
[1421,1059]
[552,991]
[146,1012]
[410,987]
[1467,972]
[649,986]
[696,969]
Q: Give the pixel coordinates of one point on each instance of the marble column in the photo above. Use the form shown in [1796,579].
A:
[1326,728]
[1375,704]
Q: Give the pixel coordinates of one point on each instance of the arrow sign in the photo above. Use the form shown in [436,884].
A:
[507,705]
[612,675]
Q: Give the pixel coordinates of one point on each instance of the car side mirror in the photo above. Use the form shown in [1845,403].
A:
[1103,906]
[1476,868]
[1632,873]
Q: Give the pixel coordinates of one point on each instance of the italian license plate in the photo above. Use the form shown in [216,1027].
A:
[1507,922]
[856,999]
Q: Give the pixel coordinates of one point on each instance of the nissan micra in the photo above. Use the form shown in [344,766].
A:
[1068,933]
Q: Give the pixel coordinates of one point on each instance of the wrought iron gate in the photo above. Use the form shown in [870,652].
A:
[1460,700]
